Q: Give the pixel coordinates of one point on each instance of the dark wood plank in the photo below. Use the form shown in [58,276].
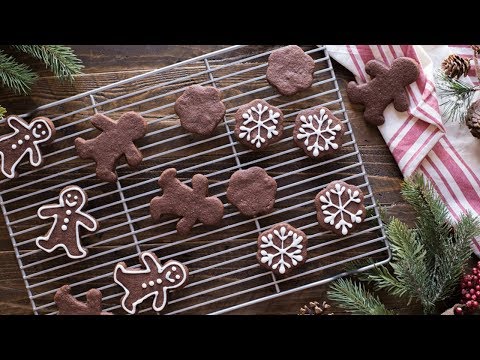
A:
[107,64]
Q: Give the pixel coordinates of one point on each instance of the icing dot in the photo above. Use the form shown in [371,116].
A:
[14,146]
[177,277]
[69,212]
[69,195]
[174,268]
[144,285]
[64,227]
[151,283]
[66,220]
[44,132]
[75,197]
[159,281]
[39,126]
[20,142]
[27,137]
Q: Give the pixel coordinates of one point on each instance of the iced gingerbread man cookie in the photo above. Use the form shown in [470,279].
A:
[153,280]
[68,217]
[25,139]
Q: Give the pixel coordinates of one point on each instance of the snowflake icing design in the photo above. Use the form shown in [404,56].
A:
[254,115]
[284,256]
[313,125]
[340,209]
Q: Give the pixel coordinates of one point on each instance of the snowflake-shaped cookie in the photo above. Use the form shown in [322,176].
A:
[318,132]
[282,248]
[258,124]
[340,207]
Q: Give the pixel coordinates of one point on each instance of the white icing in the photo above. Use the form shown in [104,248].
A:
[69,195]
[20,142]
[292,252]
[321,128]
[60,207]
[151,283]
[35,156]
[75,197]
[174,268]
[27,137]
[177,277]
[254,114]
[155,290]
[159,281]
[14,146]
[346,218]
[66,220]
[39,126]
[168,276]
[144,285]
[69,212]
[44,132]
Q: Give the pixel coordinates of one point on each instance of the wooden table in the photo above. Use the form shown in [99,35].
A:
[107,64]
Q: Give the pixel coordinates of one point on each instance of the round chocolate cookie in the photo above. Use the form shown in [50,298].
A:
[318,132]
[282,248]
[200,109]
[340,207]
[252,191]
[290,70]
[258,124]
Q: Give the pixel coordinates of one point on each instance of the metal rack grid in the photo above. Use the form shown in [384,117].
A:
[225,275]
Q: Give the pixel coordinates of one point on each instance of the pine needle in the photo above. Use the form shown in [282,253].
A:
[60,59]
[15,76]
[354,298]
[3,111]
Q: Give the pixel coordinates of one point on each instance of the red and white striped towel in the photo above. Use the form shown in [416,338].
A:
[445,152]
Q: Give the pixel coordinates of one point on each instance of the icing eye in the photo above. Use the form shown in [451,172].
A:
[75,197]
[69,195]
[174,268]
[39,126]
[177,277]
[44,132]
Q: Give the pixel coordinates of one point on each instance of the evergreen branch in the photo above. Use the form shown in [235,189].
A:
[61,60]
[3,111]
[456,96]
[382,278]
[15,76]
[354,298]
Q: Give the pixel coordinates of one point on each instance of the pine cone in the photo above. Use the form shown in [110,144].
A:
[473,119]
[476,49]
[455,66]
[314,308]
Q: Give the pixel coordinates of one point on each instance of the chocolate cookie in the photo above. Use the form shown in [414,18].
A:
[252,191]
[154,280]
[282,248]
[191,204]
[68,217]
[24,140]
[115,141]
[290,70]
[258,124]
[200,109]
[318,132]
[387,85]
[68,305]
[340,207]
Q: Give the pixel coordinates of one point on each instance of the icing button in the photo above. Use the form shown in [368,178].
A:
[159,281]
[64,227]
[151,283]
[27,137]
[20,142]
[144,285]
[14,146]
[66,220]
[69,212]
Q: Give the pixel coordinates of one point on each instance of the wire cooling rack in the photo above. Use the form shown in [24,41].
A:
[224,273]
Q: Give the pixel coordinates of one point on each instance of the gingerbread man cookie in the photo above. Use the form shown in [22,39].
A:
[68,305]
[154,280]
[191,204]
[67,219]
[387,85]
[24,140]
[115,141]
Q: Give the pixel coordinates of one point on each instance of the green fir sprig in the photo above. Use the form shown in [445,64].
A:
[427,260]
[14,75]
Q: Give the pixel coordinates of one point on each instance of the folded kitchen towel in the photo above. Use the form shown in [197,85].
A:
[419,139]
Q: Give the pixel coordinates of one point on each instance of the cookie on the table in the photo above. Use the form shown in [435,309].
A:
[190,203]
[153,280]
[68,217]
[282,248]
[258,124]
[252,191]
[318,132]
[115,141]
[290,70]
[68,305]
[200,109]
[340,207]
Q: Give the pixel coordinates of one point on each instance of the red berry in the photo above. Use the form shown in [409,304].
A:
[464,291]
[458,310]
[469,303]
[472,291]
[477,287]
[469,284]
[467,295]
[474,297]
[475,304]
